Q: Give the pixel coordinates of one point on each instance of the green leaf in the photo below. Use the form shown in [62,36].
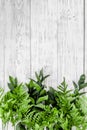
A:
[32,100]
[37,76]
[11,79]
[41,99]
[45,77]
[37,127]
[42,92]
[12,83]
[19,126]
[82,93]
[41,72]
[11,87]
[82,86]
[1,92]
[75,85]
[35,85]
[41,106]
[81,80]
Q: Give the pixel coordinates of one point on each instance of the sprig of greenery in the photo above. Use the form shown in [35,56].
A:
[80,85]
[14,104]
[31,107]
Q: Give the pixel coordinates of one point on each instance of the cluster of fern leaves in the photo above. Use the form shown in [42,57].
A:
[31,106]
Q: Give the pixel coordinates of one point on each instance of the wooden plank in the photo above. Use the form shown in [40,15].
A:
[22,38]
[44,38]
[2,45]
[15,39]
[2,42]
[85,34]
[85,39]
[55,31]
[2,54]
[20,44]
[70,39]
[10,48]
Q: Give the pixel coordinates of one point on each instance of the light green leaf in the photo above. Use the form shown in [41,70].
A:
[41,99]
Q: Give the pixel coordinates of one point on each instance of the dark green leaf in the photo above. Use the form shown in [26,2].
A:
[19,126]
[81,80]
[75,85]
[82,86]
[11,87]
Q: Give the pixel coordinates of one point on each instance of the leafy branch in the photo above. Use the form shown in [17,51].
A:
[31,107]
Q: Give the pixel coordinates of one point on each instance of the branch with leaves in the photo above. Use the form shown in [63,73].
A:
[30,106]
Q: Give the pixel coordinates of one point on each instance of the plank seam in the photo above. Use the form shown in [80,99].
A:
[30,38]
[84,36]
[57,42]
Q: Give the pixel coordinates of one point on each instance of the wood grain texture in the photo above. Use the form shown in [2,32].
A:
[42,33]
[85,32]
[43,38]
[10,48]
[16,42]
[70,39]
[2,53]
[22,38]
[2,44]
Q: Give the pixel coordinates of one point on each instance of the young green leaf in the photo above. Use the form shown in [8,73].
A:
[41,99]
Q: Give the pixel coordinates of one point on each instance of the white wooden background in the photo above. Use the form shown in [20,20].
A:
[42,33]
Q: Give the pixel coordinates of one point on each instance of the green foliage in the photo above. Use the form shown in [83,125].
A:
[69,114]
[20,126]
[1,96]
[13,83]
[31,107]
[80,85]
[1,93]
[36,88]
[43,118]
[14,104]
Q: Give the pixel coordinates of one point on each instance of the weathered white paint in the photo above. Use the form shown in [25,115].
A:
[85,38]
[2,34]
[70,39]
[44,38]
[2,45]
[22,38]
[42,33]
